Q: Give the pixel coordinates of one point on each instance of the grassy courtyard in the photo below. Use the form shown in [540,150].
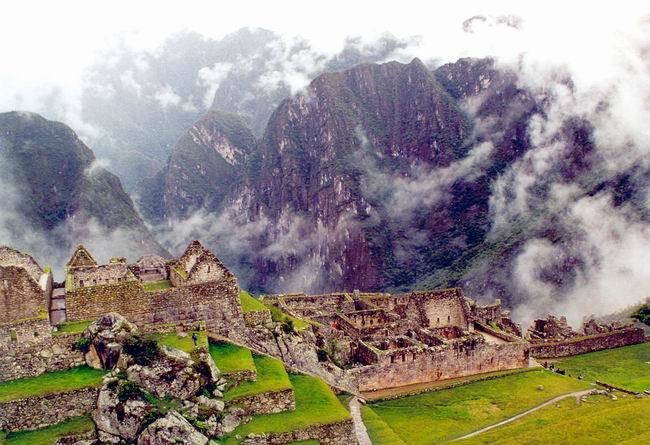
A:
[182,342]
[51,383]
[154,286]
[271,377]
[442,415]
[316,404]
[627,367]
[72,327]
[231,358]
[597,421]
[50,434]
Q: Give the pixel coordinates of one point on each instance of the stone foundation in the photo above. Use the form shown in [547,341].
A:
[31,359]
[341,433]
[241,376]
[257,318]
[583,344]
[39,412]
[268,402]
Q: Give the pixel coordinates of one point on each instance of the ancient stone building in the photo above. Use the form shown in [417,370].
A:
[24,287]
[195,288]
[383,340]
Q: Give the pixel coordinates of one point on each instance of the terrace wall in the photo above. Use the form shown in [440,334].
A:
[216,303]
[257,318]
[31,359]
[580,345]
[267,402]
[39,412]
[340,433]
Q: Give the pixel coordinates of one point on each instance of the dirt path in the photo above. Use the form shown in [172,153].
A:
[359,428]
[576,394]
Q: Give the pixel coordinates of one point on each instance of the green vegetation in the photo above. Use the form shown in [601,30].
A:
[442,415]
[182,342]
[157,285]
[316,404]
[378,430]
[143,349]
[51,383]
[72,327]
[50,434]
[599,420]
[271,377]
[642,314]
[278,315]
[180,271]
[231,358]
[250,303]
[627,367]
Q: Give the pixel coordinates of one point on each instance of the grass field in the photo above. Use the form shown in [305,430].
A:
[156,285]
[597,421]
[72,327]
[50,434]
[51,383]
[379,431]
[445,414]
[277,315]
[628,367]
[184,343]
[271,377]
[250,303]
[316,404]
[231,358]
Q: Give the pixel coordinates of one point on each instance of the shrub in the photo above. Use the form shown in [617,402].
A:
[642,314]
[143,350]
[83,344]
[322,355]
[129,390]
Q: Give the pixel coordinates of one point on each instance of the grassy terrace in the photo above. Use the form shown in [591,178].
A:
[157,285]
[627,367]
[184,343]
[271,377]
[445,414]
[231,358]
[598,421]
[72,327]
[278,315]
[316,404]
[50,434]
[51,383]
[250,303]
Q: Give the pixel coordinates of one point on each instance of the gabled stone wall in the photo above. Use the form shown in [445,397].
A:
[20,295]
[588,343]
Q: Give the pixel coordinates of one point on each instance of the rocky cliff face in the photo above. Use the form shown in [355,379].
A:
[55,193]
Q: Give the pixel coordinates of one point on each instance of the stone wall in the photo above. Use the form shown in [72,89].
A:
[340,433]
[21,332]
[257,318]
[267,402]
[582,344]
[31,359]
[216,303]
[38,412]
[440,364]
[249,375]
[20,295]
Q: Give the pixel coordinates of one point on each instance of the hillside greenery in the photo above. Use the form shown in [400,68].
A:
[51,383]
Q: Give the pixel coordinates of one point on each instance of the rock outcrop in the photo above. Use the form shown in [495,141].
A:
[171,429]
[120,412]
[106,336]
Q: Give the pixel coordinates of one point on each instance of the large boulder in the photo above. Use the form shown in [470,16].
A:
[171,429]
[173,373]
[120,412]
[105,337]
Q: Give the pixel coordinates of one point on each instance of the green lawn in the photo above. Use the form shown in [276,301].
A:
[73,327]
[250,303]
[378,430]
[271,377]
[51,383]
[278,315]
[184,343]
[231,358]
[156,285]
[316,404]
[50,434]
[628,367]
[597,421]
[442,415]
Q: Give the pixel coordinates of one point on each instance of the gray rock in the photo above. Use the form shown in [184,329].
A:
[171,429]
[213,404]
[107,334]
[118,421]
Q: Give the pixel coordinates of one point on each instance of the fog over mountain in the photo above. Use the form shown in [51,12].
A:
[495,151]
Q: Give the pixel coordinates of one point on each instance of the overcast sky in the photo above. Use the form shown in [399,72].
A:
[46,41]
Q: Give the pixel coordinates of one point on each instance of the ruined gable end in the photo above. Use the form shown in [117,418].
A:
[81,258]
